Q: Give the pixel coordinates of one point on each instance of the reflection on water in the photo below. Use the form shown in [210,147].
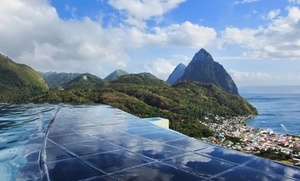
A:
[22,131]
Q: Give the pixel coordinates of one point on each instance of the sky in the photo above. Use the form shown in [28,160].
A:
[257,41]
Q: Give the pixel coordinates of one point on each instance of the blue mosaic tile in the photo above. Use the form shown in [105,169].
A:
[71,138]
[103,143]
[162,136]
[244,173]
[156,171]
[71,170]
[157,151]
[189,144]
[87,148]
[276,168]
[115,160]
[56,153]
[201,165]
[226,154]
[129,141]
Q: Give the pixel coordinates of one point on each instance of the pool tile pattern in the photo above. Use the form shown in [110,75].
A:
[101,143]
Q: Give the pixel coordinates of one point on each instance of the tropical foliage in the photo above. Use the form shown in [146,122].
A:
[19,82]
[184,104]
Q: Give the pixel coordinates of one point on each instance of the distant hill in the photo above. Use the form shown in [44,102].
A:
[115,74]
[140,79]
[18,81]
[176,74]
[147,74]
[85,79]
[55,80]
[204,69]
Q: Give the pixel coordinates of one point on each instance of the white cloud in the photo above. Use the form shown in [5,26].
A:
[243,78]
[244,37]
[245,1]
[279,40]
[185,34]
[138,11]
[272,14]
[32,33]
[159,67]
[240,75]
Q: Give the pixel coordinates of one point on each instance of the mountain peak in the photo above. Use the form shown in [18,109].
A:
[204,69]
[176,74]
[202,55]
[83,80]
[115,74]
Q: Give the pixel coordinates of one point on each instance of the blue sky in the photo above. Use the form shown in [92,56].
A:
[257,41]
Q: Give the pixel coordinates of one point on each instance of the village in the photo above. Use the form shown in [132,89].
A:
[235,134]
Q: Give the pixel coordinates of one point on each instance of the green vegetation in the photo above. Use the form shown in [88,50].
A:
[274,155]
[56,80]
[18,83]
[235,140]
[184,104]
[83,80]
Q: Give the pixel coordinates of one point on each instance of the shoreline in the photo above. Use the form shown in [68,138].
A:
[234,133]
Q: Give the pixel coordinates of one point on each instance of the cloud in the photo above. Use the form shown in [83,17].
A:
[240,75]
[71,9]
[185,35]
[137,11]
[272,14]
[32,33]
[159,67]
[262,78]
[278,40]
[245,1]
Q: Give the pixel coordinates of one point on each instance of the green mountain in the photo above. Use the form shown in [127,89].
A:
[85,79]
[140,79]
[115,75]
[56,80]
[19,82]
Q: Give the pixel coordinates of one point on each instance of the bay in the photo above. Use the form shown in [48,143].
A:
[278,107]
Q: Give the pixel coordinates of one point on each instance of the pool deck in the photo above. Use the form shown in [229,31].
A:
[104,143]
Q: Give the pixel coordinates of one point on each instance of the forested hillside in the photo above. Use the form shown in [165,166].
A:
[184,104]
[19,82]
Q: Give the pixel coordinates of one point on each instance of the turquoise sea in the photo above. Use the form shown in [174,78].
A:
[278,107]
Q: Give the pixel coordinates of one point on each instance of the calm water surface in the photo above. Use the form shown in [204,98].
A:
[278,107]
[22,132]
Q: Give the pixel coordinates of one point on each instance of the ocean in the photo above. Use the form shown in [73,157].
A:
[23,126]
[278,107]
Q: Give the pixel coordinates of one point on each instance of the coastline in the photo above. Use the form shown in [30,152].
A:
[234,133]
